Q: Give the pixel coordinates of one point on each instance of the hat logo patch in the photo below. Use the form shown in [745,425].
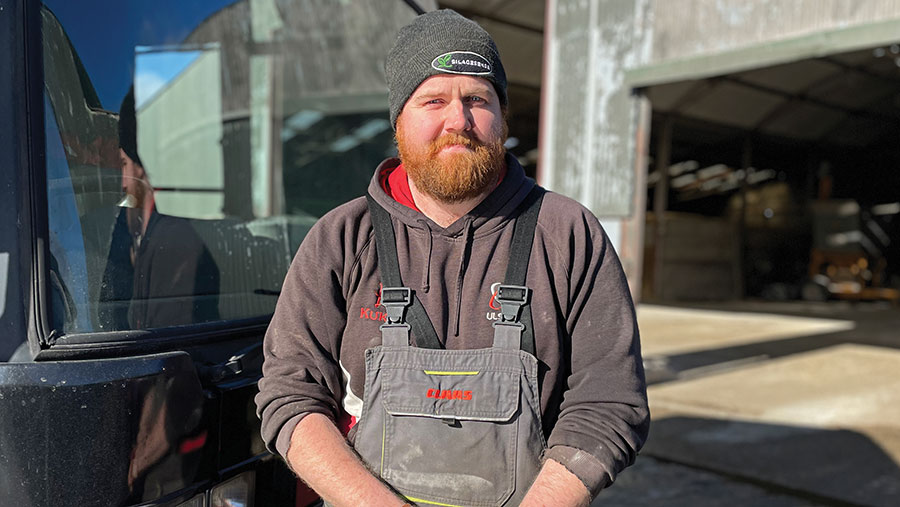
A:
[462,62]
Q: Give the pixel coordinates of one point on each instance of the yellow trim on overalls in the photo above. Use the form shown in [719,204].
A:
[433,372]
[419,500]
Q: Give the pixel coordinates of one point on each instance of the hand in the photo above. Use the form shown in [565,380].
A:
[319,454]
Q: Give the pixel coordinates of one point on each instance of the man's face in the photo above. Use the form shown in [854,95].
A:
[450,137]
[134,180]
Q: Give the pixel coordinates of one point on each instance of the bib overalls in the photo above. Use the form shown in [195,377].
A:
[453,427]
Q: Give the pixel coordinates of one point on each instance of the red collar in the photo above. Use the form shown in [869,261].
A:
[395,183]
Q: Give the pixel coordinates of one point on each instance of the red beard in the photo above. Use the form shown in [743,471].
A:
[452,177]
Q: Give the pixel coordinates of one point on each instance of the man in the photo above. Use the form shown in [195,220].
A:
[462,421]
[158,272]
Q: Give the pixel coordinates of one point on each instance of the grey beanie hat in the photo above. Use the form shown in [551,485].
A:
[439,42]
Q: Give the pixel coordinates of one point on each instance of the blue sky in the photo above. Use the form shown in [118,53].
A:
[106,32]
[154,69]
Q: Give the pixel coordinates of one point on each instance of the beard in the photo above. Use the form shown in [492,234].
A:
[134,194]
[453,177]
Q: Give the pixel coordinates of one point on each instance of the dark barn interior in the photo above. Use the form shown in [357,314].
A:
[781,183]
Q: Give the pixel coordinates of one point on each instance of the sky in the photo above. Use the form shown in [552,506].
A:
[156,68]
[105,34]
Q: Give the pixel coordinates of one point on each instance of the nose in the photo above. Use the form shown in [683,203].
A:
[457,117]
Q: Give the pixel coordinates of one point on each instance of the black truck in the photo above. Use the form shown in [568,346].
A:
[160,162]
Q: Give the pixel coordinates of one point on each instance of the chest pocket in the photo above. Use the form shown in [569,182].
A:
[445,427]
[451,393]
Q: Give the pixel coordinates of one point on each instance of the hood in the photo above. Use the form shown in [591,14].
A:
[493,212]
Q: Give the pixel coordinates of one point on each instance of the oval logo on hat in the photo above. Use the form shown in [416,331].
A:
[462,62]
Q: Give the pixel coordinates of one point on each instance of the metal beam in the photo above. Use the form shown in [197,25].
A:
[799,97]
[818,102]
[740,266]
[661,203]
[841,124]
[695,93]
[861,69]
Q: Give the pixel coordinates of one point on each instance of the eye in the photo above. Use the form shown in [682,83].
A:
[476,99]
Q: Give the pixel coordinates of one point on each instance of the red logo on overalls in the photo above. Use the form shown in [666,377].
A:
[493,305]
[495,290]
[448,394]
[371,314]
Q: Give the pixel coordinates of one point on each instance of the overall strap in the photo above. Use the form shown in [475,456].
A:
[389,266]
[515,329]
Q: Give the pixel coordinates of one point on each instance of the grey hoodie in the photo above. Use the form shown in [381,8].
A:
[593,393]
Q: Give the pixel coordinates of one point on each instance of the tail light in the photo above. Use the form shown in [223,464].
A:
[196,501]
[235,492]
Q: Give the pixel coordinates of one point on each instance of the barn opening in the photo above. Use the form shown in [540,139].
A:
[779,183]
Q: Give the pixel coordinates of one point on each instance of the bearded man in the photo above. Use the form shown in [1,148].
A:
[159,271]
[473,332]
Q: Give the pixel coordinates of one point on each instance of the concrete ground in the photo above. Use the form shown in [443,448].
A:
[653,482]
[759,404]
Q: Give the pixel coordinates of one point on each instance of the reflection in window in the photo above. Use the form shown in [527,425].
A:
[191,150]
[179,116]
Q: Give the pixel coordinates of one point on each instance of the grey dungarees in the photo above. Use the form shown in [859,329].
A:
[453,427]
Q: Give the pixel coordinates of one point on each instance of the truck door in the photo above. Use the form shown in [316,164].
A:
[162,162]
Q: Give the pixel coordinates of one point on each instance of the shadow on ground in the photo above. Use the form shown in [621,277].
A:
[699,461]
[707,449]
[875,324]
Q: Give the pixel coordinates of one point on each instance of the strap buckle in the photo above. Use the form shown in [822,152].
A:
[512,298]
[396,300]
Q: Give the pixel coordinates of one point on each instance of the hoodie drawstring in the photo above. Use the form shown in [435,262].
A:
[426,281]
[463,264]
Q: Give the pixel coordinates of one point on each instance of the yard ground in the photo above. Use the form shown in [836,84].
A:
[762,404]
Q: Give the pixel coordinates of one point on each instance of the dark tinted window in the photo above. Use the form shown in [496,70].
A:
[191,145]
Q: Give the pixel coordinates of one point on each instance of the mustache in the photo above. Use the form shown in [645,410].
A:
[451,139]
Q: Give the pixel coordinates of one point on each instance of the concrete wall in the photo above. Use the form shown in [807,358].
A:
[594,129]
[589,128]
[684,28]
[587,136]
[693,39]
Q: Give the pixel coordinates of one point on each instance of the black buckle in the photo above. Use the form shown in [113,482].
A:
[395,300]
[512,298]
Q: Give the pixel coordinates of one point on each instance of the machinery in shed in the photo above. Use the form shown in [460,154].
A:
[795,165]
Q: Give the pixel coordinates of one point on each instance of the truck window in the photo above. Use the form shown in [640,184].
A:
[191,145]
